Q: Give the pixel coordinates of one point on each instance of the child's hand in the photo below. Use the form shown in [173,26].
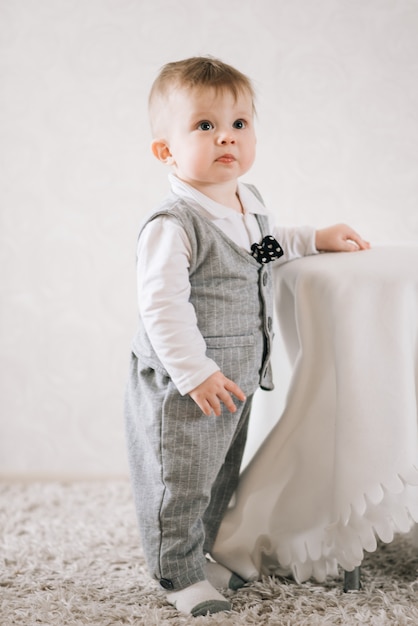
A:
[339,238]
[214,390]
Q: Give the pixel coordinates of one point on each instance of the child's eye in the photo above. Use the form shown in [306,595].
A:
[205,125]
[239,124]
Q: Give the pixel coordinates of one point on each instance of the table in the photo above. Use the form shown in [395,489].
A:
[340,467]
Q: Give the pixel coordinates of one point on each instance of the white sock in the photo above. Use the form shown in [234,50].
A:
[221,577]
[198,599]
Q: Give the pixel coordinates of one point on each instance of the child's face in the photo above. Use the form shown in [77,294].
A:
[209,136]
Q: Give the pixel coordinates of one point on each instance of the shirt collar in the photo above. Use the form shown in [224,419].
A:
[249,201]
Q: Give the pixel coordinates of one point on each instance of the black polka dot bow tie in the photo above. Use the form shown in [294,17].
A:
[266,251]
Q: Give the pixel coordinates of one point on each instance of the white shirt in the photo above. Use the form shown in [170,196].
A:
[163,260]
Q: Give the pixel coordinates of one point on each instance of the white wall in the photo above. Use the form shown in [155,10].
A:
[338,141]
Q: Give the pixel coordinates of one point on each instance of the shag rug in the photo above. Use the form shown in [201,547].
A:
[70,555]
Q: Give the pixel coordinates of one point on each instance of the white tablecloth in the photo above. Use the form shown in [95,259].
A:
[340,468]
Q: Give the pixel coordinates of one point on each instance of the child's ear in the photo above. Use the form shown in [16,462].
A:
[161,151]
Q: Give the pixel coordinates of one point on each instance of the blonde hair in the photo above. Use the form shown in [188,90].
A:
[196,73]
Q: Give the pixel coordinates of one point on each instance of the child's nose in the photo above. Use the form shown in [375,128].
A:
[226,137]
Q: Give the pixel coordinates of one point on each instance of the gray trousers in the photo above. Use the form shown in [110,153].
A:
[184,469]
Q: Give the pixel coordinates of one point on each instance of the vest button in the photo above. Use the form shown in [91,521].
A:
[265,278]
[269,323]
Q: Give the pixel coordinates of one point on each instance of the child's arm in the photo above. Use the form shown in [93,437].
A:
[299,241]
[214,390]
[164,303]
[170,320]
[339,238]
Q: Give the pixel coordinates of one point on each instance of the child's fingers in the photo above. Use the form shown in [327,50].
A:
[225,395]
[359,241]
[235,390]
[351,240]
[226,399]
[215,390]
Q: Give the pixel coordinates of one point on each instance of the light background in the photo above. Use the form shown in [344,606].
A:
[337,141]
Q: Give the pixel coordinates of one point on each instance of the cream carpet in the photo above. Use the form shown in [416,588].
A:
[70,555]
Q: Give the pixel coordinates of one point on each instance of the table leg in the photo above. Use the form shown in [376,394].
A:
[352,580]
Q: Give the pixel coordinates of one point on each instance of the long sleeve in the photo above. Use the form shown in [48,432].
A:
[163,300]
[296,242]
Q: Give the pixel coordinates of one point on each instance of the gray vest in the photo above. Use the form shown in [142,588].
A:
[232,295]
